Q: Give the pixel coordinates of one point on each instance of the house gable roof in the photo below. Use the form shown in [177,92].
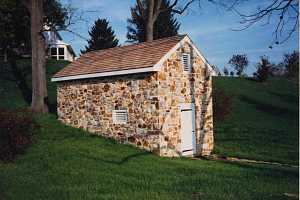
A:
[136,58]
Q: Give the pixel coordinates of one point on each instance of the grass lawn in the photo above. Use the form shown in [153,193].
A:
[68,163]
[264,120]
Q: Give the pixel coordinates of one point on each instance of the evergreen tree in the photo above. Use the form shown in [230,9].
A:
[166,24]
[102,36]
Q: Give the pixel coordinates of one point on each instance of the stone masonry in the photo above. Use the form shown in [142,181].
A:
[152,100]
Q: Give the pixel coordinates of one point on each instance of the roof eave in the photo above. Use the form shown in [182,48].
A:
[154,68]
[103,74]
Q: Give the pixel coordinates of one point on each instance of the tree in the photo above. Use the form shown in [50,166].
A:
[225,71]
[38,20]
[102,36]
[263,69]
[291,64]
[165,25]
[14,27]
[15,40]
[39,86]
[239,63]
[150,10]
[287,10]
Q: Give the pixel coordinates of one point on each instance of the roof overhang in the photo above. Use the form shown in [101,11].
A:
[103,74]
[154,68]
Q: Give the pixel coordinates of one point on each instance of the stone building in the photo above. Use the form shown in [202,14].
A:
[155,95]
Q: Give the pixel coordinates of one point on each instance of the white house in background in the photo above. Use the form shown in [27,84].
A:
[57,48]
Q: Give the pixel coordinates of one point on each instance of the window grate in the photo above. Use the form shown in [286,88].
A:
[120,116]
[186,61]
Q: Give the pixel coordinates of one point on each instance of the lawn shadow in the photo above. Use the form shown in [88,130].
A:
[232,140]
[251,79]
[267,169]
[268,108]
[289,98]
[116,162]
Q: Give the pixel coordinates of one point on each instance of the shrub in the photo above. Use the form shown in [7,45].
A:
[16,128]
[222,105]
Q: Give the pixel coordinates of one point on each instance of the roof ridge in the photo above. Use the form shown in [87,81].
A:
[137,44]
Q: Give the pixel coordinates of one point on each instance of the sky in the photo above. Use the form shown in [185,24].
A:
[209,26]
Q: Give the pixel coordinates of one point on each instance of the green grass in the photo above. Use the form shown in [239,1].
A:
[264,120]
[11,96]
[67,163]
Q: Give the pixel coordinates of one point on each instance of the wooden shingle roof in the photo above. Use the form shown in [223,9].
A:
[129,57]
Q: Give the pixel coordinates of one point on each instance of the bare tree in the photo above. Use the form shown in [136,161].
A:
[285,14]
[152,8]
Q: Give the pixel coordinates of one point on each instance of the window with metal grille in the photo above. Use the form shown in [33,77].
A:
[120,116]
[186,61]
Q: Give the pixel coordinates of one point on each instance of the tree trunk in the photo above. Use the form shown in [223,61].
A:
[39,87]
[150,21]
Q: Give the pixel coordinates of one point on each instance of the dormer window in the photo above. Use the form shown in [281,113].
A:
[186,62]
[57,53]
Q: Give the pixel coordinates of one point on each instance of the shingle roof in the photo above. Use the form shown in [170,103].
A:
[134,56]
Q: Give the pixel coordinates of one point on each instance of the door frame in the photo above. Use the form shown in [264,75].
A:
[187,107]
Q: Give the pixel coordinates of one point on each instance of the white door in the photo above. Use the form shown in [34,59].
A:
[188,139]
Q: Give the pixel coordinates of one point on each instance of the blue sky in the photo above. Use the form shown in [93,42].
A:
[209,27]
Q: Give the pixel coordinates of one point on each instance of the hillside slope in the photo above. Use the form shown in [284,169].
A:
[263,124]
[264,121]
[11,96]
[69,163]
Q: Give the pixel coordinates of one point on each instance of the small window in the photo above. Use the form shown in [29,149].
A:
[61,51]
[186,62]
[120,116]
[61,57]
[53,51]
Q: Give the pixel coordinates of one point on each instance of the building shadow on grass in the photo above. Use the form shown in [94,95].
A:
[288,98]
[267,169]
[268,108]
[233,139]
[121,161]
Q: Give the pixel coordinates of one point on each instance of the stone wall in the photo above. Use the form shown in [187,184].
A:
[88,104]
[176,87]
[152,101]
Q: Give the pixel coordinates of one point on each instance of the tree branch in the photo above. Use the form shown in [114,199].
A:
[285,9]
[156,9]
[141,8]
[182,10]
